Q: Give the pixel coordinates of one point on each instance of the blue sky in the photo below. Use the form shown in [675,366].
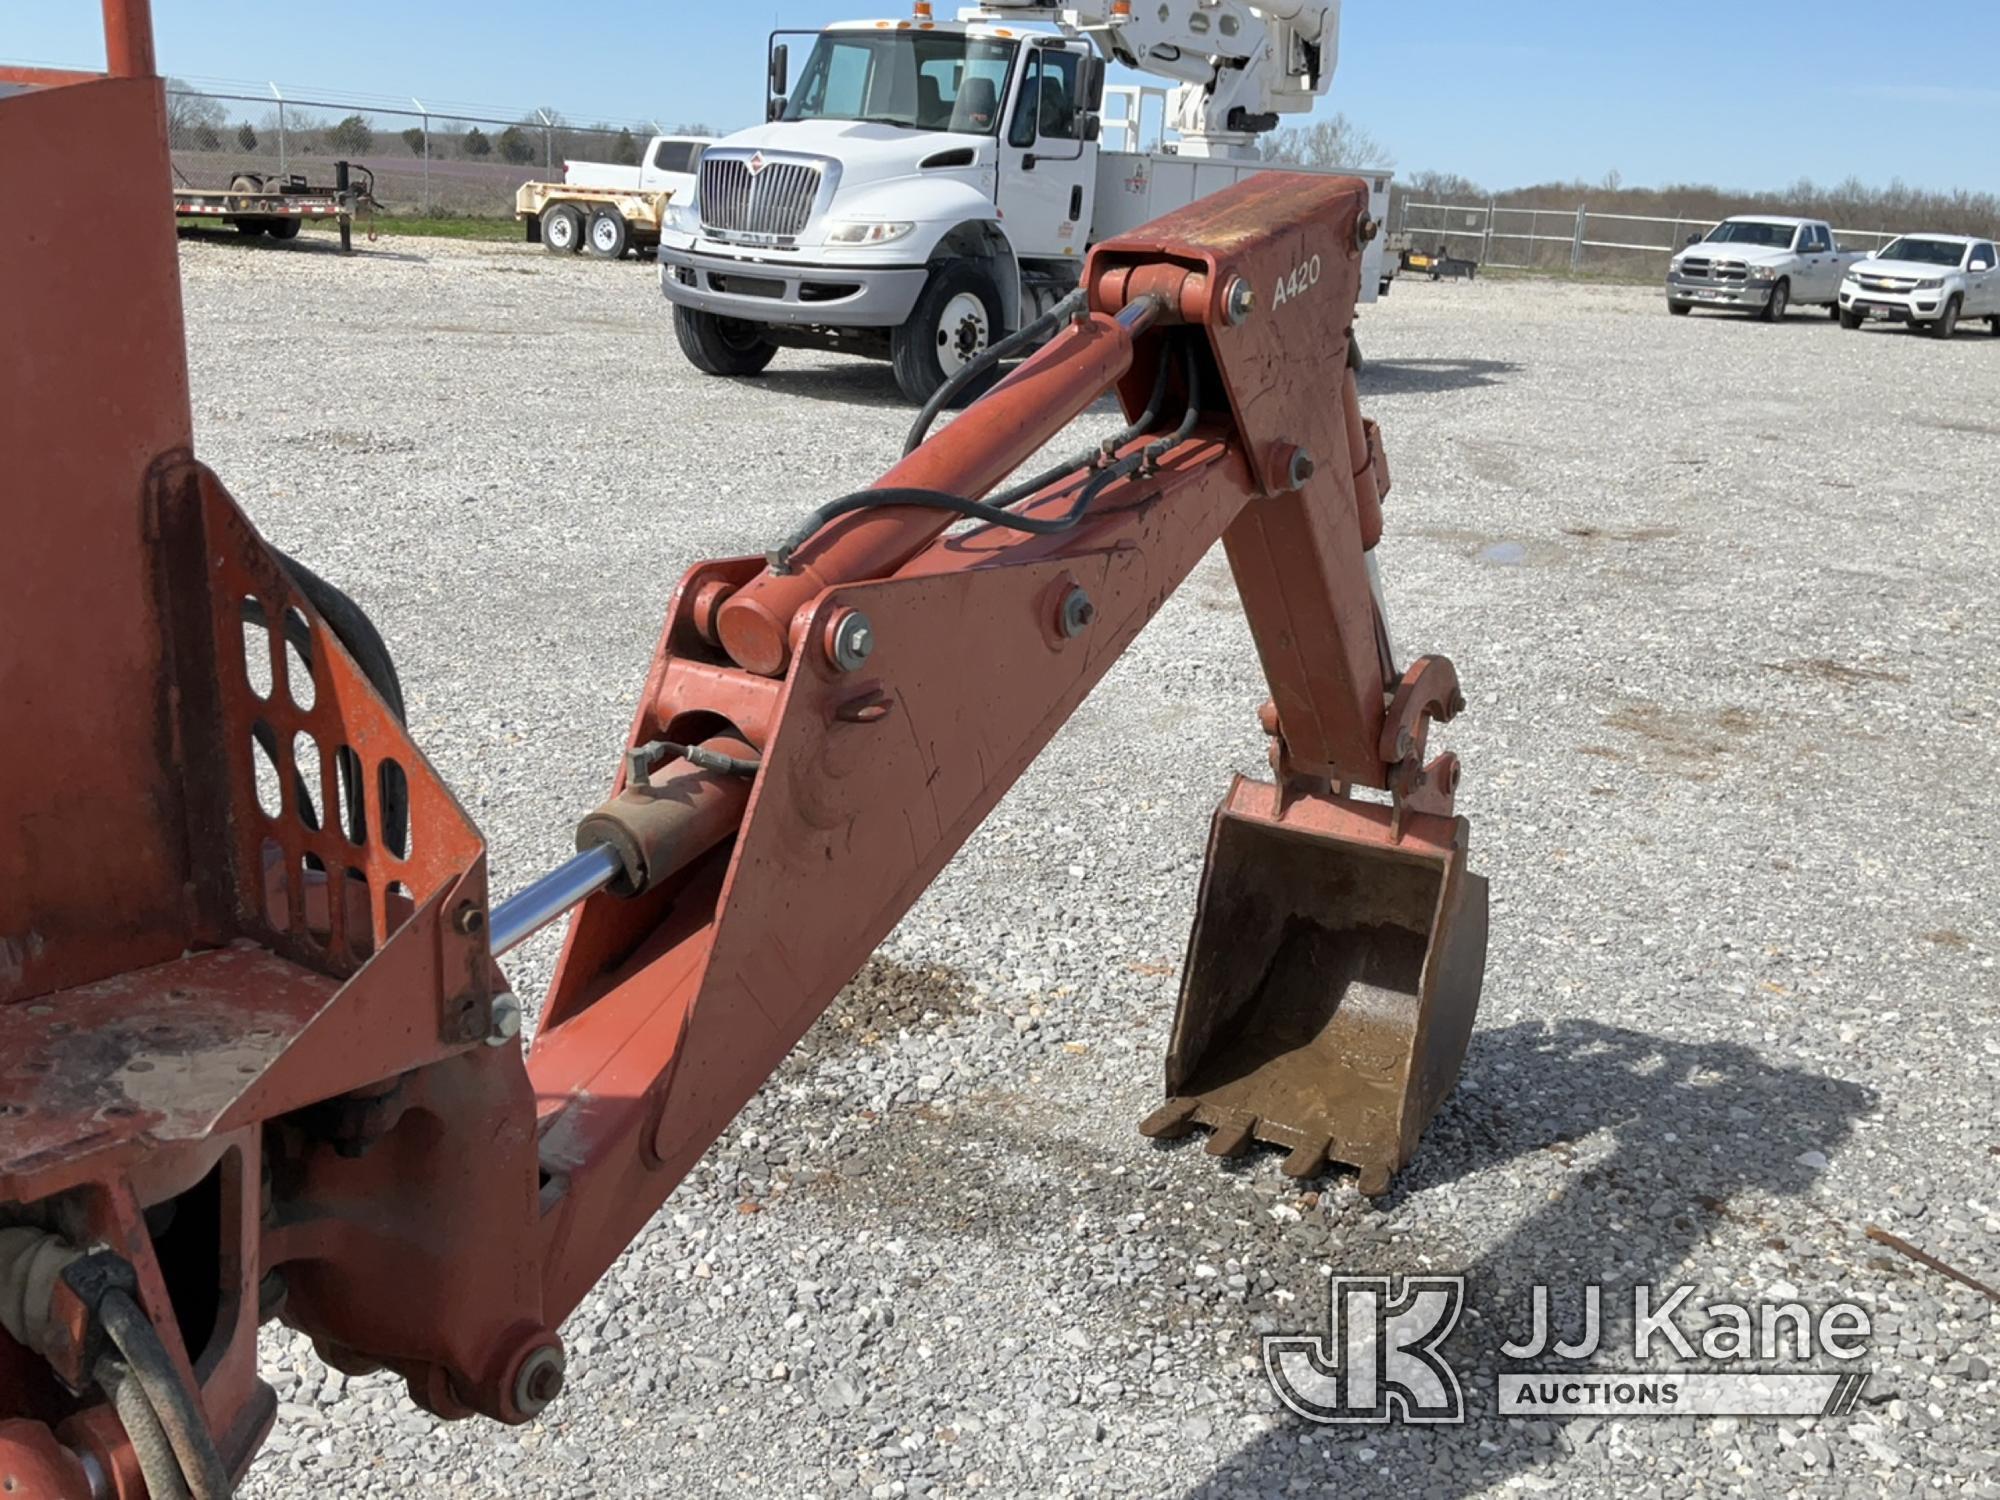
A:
[1503,93]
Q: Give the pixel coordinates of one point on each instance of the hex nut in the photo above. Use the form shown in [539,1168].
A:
[1076,612]
[1239,300]
[506,1020]
[850,640]
[539,1380]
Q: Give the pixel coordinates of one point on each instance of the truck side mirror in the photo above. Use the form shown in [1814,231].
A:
[780,67]
[774,106]
[1980,265]
[1093,83]
[1694,239]
[1093,127]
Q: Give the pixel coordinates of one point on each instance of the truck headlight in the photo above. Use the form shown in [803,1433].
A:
[1931,284]
[874,232]
[1763,273]
[681,218]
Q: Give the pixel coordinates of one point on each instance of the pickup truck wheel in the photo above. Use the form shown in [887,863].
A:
[1947,321]
[954,320]
[1993,327]
[562,229]
[1781,299]
[609,234]
[1848,320]
[722,346]
[1680,309]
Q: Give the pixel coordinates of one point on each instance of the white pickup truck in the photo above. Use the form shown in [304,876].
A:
[609,207]
[928,187]
[1759,263]
[1931,279]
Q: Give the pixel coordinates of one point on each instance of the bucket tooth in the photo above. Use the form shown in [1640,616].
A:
[1232,1137]
[1170,1121]
[1308,1159]
[1331,982]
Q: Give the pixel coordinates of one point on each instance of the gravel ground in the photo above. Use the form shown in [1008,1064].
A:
[1720,594]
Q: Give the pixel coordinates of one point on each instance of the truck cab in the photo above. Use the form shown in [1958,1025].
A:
[922,189]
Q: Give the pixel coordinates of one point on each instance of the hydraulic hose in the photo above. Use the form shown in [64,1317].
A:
[174,1405]
[157,1464]
[980,363]
[995,513]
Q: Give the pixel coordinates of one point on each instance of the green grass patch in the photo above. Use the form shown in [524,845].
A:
[435,226]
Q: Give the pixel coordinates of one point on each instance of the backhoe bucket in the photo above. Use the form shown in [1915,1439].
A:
[1330,984]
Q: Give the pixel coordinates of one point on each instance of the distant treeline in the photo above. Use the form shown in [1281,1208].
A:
[1848,205]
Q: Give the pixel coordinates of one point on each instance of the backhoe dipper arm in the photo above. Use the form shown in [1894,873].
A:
[896,680]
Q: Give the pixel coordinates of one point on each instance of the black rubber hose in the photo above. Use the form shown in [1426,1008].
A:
[980,363]
[780,557]
[1083,461]
[157,1464]
[177,1407]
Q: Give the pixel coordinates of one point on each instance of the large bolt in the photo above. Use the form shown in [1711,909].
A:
[539,1381]
[1076,613]
[850,640]
[1300,469]
[469,919]
[1238,301]
[506,1020]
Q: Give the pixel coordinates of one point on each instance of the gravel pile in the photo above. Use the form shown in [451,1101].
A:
[1721,595]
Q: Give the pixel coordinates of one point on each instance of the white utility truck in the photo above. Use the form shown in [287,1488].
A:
[607,206]
[928,187]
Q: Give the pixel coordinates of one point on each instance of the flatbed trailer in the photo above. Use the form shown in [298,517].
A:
[259,204]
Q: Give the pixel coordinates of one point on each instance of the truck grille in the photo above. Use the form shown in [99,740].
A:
[1713,270]
[1886,284]
[771,203]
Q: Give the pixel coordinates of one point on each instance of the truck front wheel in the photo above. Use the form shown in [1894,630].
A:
[1781,298]
[954,320]
[1947,321]
[722,346]
[562,229]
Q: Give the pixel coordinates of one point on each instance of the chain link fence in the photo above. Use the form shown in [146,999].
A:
[1574,239]
[425,161]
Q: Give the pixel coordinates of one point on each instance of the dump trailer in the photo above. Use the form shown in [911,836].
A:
[608,207]
[256,203]
[259,1059]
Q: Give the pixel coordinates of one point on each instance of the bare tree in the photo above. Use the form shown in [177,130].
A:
[194,118]
[1333,142]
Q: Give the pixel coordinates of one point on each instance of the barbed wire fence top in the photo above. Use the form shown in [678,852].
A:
[439,157]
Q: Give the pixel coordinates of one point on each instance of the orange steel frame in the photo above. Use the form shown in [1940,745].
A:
[281,1028]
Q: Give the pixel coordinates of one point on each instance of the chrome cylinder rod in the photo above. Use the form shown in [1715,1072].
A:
[527,912]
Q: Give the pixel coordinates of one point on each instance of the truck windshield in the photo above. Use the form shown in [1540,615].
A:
[922,80]
[1753,232]
[1924,252]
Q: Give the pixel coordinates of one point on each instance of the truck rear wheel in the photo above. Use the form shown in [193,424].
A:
[722,346]
[955,319]
[609,234]
[562,229]
[247,227]
[283,229]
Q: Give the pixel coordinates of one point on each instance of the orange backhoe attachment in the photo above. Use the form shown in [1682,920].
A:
[258,1059]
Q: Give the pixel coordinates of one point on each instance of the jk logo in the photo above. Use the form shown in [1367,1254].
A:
[1378,1361]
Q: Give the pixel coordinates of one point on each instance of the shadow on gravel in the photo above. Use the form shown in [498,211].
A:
[1692,1125]
[305,244]
[1396,377]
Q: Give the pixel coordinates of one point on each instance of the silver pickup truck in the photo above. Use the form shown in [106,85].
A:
[1762,264]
